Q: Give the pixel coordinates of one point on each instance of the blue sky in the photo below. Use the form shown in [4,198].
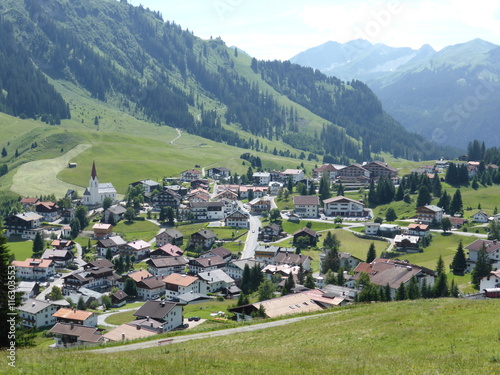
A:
[281,29]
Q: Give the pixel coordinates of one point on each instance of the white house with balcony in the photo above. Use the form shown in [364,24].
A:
[344,207]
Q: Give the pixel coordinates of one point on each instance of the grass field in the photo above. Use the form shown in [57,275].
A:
[353,245]
[444,336]
[21,249]
[136,230]
[121,318]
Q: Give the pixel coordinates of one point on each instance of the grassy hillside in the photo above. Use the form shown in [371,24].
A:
[410,337]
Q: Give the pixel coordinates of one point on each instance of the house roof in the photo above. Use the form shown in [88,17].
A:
[209,261]
[430,207]
[215,276]
[179,279]
[34,306]
[129,331]
[139,245]
[306,199]
[29,200]
[100,263]
[46,206]
[307,231]
[85,334]
[55,253]
[205,233]
[153,282]
[117,210]
[172,232]
[72,314]
[207,204]
[139,275]
[490,245]
[422,227]
[155,309]
[220,251]
[31,263]
[240,263]
[164,262]
[341,198]
[119,295]
[292,171]
[290,258]
[101,226]
[29,216]
[169,250]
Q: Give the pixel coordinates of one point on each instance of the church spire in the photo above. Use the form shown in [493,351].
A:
[93,175]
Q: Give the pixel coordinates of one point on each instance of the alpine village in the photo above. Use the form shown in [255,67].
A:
[172,205]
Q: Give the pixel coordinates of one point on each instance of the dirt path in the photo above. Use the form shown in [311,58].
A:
[39,177]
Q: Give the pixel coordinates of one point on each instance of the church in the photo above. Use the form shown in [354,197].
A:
[96,192]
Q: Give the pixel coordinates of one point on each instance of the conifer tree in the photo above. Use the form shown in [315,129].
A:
[456,204]
[482,268]
[371,254]
[38,245]
[459,263]
[401,292]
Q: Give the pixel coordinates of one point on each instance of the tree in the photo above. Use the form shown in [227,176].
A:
[324,187]
[371,254]
[109,254]
[274,214]
[482,268]
[413,291]
[289,185]
[243,300]
[332,260]
[340,189]
[441,285]
[81,214]
[106,301]
[106,203]
[436,186]
[424,197]
[330,277]
[440,266]
[301,276]
[444,202]
[246,286]
[340,277]
[400,194]
[390,215]
[38,245]
[4,152]
[401,292]
[446,224]
[310,282]
[130,288]
[266,290]
[289,285]
[129,215]
[81,304]
[75,227]
[372,195]
[456,204]
[56,294]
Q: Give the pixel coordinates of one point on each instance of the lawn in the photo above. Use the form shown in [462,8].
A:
[204,310]
[21,249]
[121,318]
[291,228]
[136,230]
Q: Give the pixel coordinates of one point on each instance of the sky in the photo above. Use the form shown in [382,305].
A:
[277,29]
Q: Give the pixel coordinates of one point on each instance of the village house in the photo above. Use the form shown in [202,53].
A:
[77,317]
[28,289]
[420,230]
[480,217]
[200,184]
[235,267]
[203,238]
[226,194]
[306,205]
[29,203]
[354,173]
[60,258]
[389,230]
[48,210]
[113,244]
[136,329]
[274,187]
[206,264]
[237,219]
[284,257]
[167,265]
[214,281]
[151,288]
[166,198]
[270,232]
[407,243]
[26,225]
[429,214]
[37,313]
[34,269]
[169,314]
[167,250]
[219,251]
[283,271]
[329,169]
[62,244]
[67,335]
[96,192]
[344,207]
[67,214]
[372,229]
[311,235]
[190,175]
[148,185]
[259,205]
[114,214]
[138,249]
[179,189]
[171,235]
[261,178]
[94,278]
[265,253]
[258,191]
[346,260]
[492,247]
[177,284]
[118,298]
[102,230]
[218,173]
[207,211]
[296,175]
[379,169]
[492,281]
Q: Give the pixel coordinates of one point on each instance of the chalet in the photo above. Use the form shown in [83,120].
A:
[310,234]
[176,284]
[28,289]
[94,278]
[306,205]
[77,317]
[429,214]
[235,267]
[258,191]
[270,232]
[372,229]
[218,173]
[118,298]
[167,265]
[138,249]
[26,225]
[98,263]
[354,173]
[207,211]
[226,194]
[389,230]
[407,243]
[113,243]
[166,198]
[67,335]
[59,257]
[259,205]
[265,253]
[34,269]
[491,281]
[214,281]
[28,203]
[48,210]
[62,244]
[167,250]
[151,288]
[274,187]
[379,169]
[480,217]
[261,178]
[203,238]
[296,175]
[329,169]
[134,275]
[190,175]
[206,264]
[344,207]
[148,185]
[102,230]
[237,219]
[37,313]
[419,230]
[200,184]
[67,214]
[169,314]
[346,260]
[394,273]
[292,259]
[492,247]
[179,189]
[457,222]
[114,214]
[219,251]
[169,236]
[283,271]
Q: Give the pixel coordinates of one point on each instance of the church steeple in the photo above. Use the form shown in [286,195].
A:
[93,175]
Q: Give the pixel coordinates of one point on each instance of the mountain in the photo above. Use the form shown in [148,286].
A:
[131,59]
[447,96]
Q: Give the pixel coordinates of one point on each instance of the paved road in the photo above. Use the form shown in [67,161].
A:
[197,336]
[251,242]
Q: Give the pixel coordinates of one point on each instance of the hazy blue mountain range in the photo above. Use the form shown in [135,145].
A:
[450,96]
